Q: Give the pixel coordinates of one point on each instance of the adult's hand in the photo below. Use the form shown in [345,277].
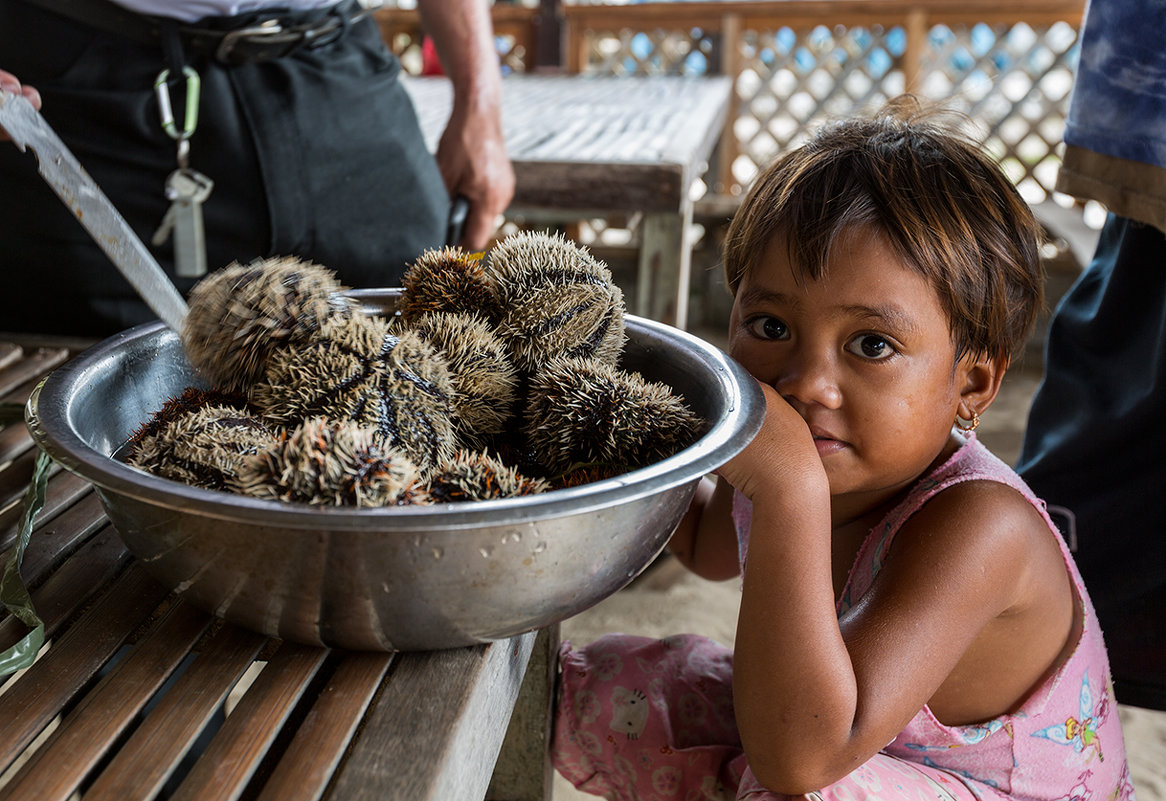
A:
[471,153]
[10,84]
[473,162]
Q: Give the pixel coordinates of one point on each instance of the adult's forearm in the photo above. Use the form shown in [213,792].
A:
[472,152]
[463,33]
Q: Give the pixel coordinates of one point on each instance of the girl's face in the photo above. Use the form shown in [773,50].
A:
[864,356]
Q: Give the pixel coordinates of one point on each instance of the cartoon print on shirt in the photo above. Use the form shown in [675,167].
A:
[630,712]
[969,734]
[1080,791]
[1081,733]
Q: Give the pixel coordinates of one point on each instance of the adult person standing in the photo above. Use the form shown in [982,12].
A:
[289,112]
[1094,440]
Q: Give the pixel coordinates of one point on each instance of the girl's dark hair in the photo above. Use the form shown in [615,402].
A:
[941,202]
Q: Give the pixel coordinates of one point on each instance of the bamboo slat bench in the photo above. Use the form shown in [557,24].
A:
[139,695]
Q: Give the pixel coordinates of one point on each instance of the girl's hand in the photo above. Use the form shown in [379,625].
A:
[782,455]
[781,465]
[10,84]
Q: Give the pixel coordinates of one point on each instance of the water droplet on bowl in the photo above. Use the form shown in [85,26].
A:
[486,551]
[438,552]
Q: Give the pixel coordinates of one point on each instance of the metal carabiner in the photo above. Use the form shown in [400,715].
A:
[166,111]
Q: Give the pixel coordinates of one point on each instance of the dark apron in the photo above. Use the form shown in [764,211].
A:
[317,154]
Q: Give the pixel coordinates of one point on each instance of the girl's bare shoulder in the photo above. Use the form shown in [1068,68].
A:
[1007,592]
[971,606]
[983,516]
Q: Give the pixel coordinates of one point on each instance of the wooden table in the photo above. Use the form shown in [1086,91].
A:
[593,146]
[128,699]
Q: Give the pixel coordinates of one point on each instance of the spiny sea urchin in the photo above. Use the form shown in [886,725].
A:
[448,280]
[191,400]
[240,314]
[204,447]
[483,375]
[325,463]
[587,474]
[477,476]
[586,411]
[557,300]
[355,370]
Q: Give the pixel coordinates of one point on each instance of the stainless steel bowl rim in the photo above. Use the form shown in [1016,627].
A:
[709,452]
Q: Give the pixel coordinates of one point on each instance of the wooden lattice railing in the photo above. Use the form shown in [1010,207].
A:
[800,62]
[516,34]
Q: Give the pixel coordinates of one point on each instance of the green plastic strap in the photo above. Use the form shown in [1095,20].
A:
[13,594]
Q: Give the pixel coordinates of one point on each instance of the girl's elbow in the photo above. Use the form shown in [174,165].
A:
[796,773]
[792,779]
[713,569]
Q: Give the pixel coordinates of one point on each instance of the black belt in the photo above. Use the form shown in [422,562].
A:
[250,38]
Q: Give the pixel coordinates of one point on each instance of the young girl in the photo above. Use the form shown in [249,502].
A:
[911,623]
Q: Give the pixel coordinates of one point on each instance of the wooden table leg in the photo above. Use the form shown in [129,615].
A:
[523,771]
[665,267]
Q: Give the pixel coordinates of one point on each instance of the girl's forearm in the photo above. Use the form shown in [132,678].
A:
[794,686]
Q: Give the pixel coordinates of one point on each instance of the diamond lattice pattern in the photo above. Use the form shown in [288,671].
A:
[1013,81]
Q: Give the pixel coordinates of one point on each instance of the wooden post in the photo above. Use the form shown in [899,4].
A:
[576,38]
[917,28]
[548,33]
[662,285]
[728,148]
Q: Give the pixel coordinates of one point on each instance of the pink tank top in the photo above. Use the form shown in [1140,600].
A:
[1065,742]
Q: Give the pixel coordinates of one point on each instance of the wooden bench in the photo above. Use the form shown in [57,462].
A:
[587,146]
[130,696]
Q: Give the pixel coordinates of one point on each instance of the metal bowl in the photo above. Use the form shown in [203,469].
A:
[409,578]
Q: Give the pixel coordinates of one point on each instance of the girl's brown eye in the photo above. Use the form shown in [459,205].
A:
[871,346]
[768,328]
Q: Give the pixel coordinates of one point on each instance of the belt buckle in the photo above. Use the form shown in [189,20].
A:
[270,28]
[331,28]
[324,34]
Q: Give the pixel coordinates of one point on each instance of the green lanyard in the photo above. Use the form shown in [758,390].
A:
[13,592]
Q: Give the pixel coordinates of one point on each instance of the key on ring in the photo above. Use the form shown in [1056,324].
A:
[186,189]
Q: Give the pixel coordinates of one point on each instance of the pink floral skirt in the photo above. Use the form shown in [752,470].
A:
[641,719]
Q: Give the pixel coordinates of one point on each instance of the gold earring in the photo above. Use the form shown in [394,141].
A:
[970,427]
